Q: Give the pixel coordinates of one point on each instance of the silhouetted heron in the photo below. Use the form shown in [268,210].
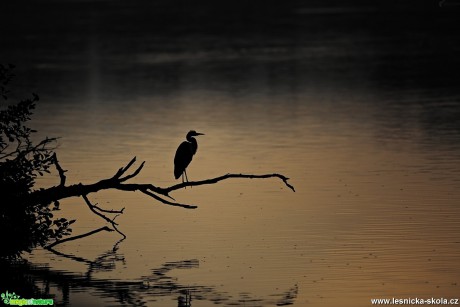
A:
[184,154]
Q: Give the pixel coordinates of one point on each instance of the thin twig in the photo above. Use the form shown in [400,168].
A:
[91,207]
[111,221]
[123,170]
[60,170]
[79,236]
[136,172]
[109,211]
[117,230]
[166,202]
[227,176]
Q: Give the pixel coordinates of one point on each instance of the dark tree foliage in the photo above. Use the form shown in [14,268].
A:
[23,225]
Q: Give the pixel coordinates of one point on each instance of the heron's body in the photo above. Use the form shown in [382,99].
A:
[184,154]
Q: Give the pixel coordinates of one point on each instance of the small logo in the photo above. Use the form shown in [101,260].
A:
[15,300]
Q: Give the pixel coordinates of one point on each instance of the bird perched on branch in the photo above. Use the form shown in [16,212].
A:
[184,154]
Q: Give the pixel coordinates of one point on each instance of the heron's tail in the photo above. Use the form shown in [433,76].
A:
[178,172]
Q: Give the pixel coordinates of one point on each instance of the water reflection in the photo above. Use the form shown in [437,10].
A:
[40,281]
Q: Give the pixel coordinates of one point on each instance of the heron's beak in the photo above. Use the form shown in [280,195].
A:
[199,133]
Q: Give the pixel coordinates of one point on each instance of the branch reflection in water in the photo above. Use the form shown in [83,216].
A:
[42,281]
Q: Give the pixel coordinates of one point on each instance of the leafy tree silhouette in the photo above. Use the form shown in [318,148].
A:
[23,224]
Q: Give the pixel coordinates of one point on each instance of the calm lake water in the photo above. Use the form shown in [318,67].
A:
[358,105]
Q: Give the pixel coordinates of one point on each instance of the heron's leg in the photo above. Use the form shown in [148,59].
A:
[183,179]
[185,172]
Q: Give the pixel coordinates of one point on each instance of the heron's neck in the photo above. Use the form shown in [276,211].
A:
[193,142]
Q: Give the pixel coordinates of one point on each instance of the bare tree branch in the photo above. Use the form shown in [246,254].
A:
[91,207]
[54,194]
[111,221]
[60,170]
[109,211]
[45,196]
[105,228]
[227,176]
[164,201]
[123,170]
[116,228]
[136,172]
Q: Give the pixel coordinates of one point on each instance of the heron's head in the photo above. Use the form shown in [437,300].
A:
[193,133]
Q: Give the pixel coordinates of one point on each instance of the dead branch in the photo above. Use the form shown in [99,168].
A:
[105,228]
[227,176]
[111,221]
[164,201]
[117,182]
[45,196]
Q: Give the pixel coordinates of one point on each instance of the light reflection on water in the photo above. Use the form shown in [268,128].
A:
[375,166]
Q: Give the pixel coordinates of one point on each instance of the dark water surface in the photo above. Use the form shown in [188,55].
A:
[358,104]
